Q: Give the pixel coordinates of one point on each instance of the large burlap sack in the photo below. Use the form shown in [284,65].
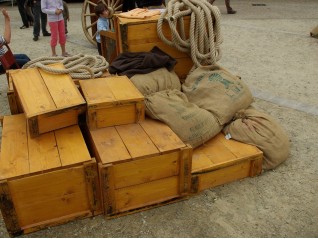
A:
[155,81]
[215,89]
[192,124]
[253,127]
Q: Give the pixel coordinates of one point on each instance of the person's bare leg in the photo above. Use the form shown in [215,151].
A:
[53,51]
[228,7]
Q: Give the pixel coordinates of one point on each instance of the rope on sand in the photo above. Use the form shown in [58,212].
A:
[79,66]
[204,34]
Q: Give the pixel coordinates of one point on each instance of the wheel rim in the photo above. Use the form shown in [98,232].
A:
[89,19]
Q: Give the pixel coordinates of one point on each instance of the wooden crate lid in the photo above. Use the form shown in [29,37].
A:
[117,144]
[22,155]
[220,152]
[110,91]
[41,92]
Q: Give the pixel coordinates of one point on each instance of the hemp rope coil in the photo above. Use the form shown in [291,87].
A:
[79,66]
[204,33]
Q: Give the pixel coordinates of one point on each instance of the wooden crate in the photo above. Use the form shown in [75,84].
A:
[49,101]
[13,100]
[125,39]
[47,180]
[221,161]
[140,165]
[112,101]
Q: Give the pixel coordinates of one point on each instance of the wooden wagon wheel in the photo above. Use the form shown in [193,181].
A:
[89,19]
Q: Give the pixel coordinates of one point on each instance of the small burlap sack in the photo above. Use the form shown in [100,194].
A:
[253,127]
[155,81]
[314,32]
[216,90]
[192,124]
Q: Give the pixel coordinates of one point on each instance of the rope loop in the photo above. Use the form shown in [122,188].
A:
[203,43]
[79,66]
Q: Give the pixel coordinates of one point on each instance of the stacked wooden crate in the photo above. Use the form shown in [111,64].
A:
[141,162]
[47,176]
[125,39]
[48,172]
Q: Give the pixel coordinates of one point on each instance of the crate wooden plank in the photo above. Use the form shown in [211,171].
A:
[124,90]
[96,91]
[111,149]
[71,146]
[140,196]
[165,139]
[33,93]
[14,152]
[136,140]
[62,88]
[112,101]
[43,152]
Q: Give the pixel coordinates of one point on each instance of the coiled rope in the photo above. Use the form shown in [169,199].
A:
[79,66]
[204,34]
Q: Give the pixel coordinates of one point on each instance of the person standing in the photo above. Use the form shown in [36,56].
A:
[229,9]
[66,16]
[40,19]
[54,11]
[102,12]
[23,14]
[21,59]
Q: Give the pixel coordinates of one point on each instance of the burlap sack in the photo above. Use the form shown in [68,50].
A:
[155,81]
[192,124]
[217,91]
[314,32]
[253,127]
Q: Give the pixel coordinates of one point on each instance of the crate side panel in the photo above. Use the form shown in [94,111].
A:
[224,175]
[146,194]
[57,120]
[49,196]
[109,147]
[14,147]
[136,140]
[71,145]
[117,115]
[32,92]
[146,169]
[62,88]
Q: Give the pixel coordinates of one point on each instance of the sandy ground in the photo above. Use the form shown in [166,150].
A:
[270,48]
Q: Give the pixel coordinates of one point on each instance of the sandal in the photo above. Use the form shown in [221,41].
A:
[66,54]
[24,27]
[54,55]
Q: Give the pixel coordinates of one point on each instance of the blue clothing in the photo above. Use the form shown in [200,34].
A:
[49,7]
[102,25]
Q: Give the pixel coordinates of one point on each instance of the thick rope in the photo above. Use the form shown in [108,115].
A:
[79,66]
[204,39]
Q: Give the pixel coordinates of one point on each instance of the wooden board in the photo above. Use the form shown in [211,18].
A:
[221,161]
[49,101]
[47,180]
[112,101]
[140,165]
